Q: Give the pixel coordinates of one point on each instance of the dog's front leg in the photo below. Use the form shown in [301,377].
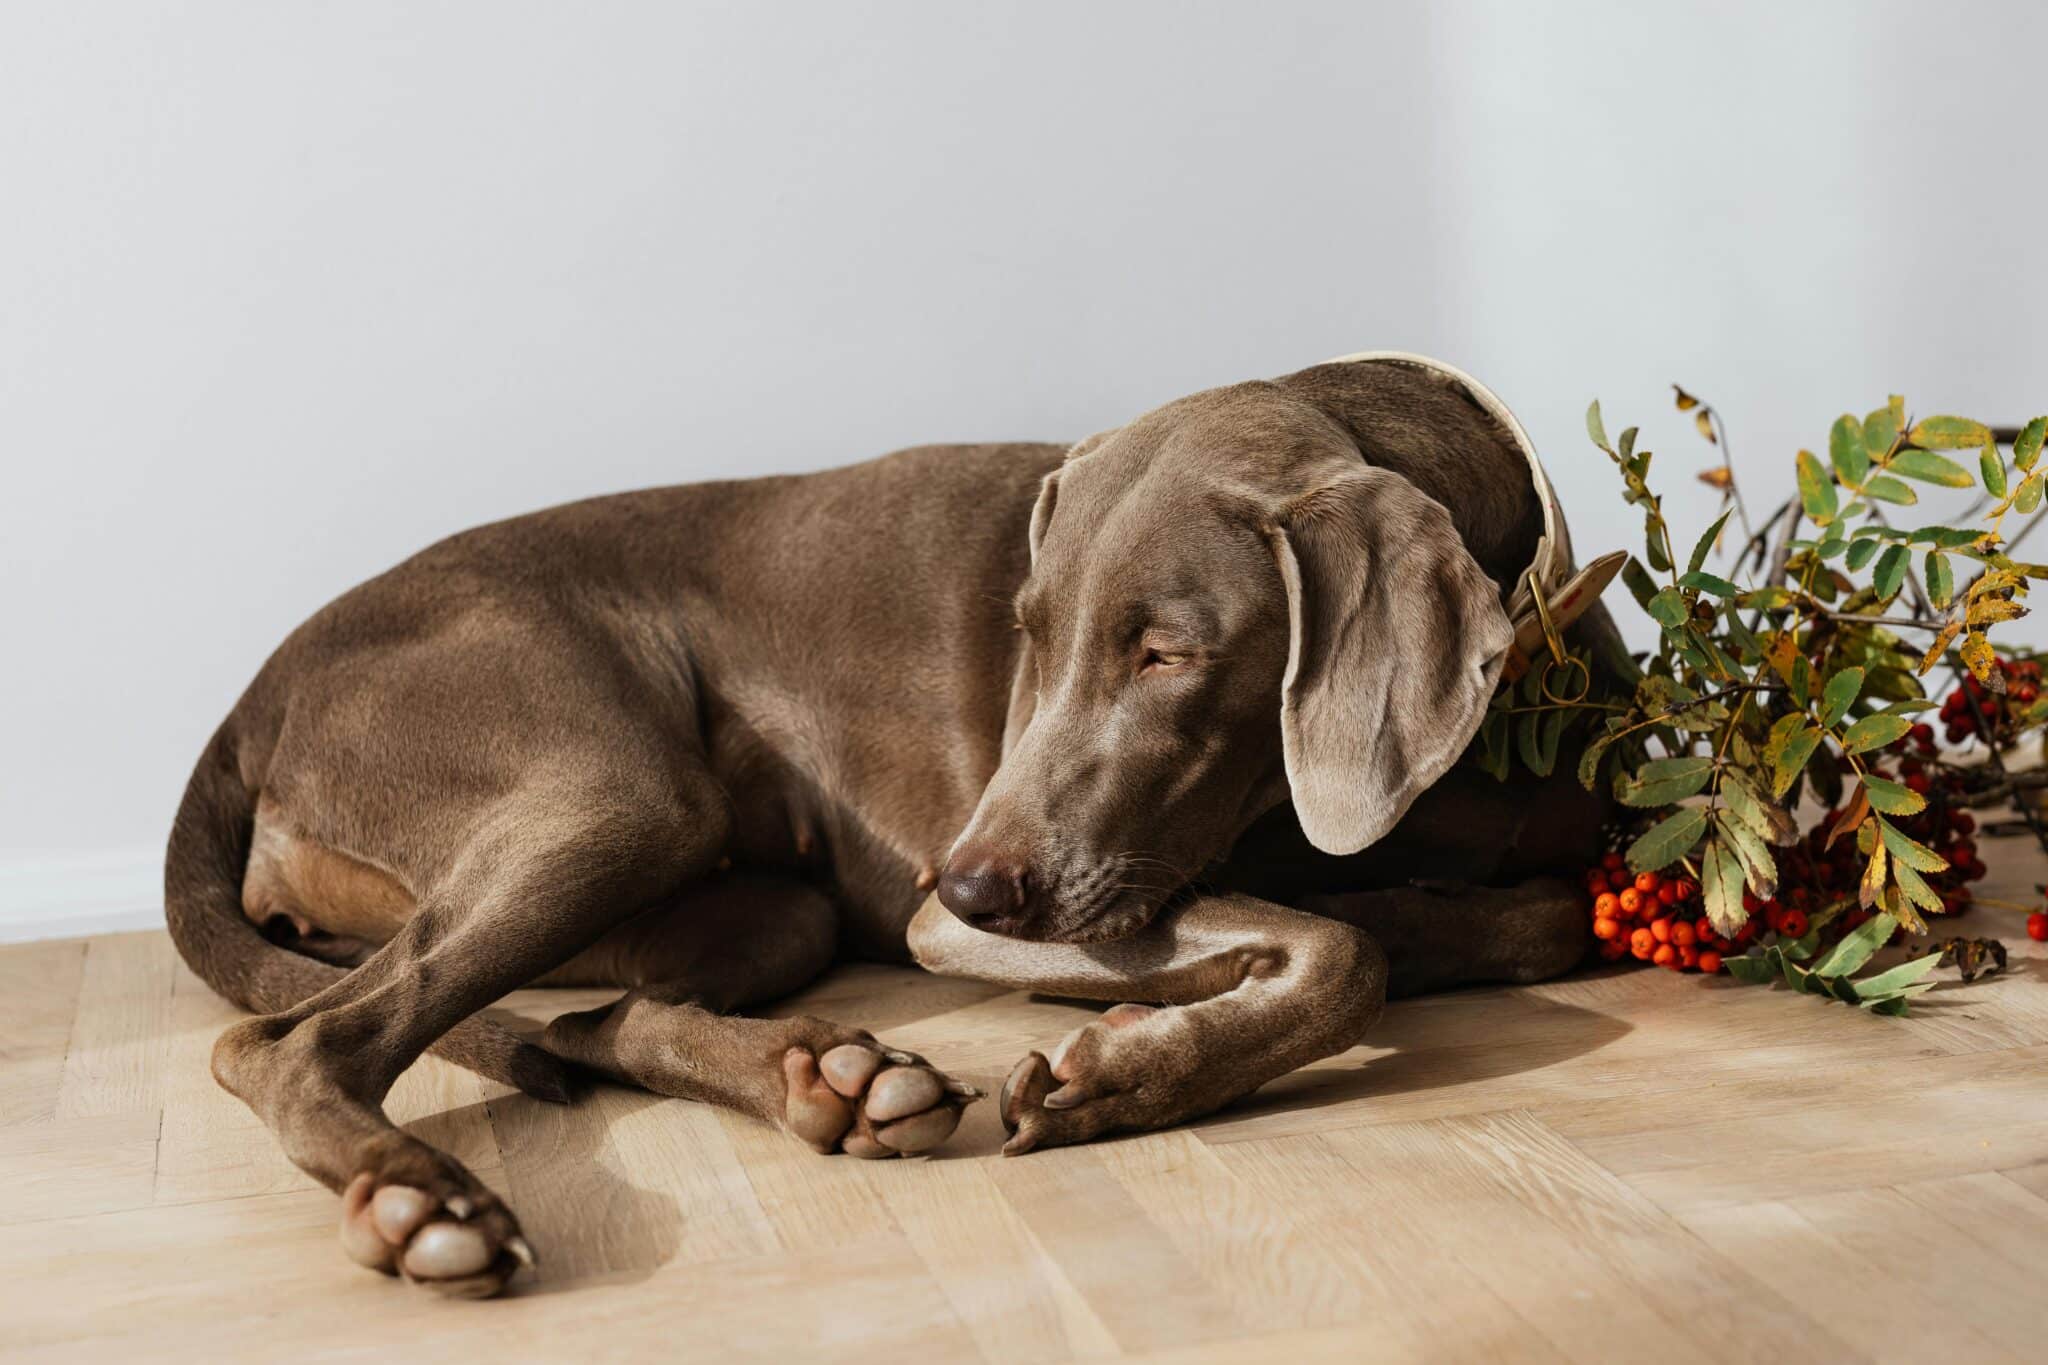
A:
[1220,996]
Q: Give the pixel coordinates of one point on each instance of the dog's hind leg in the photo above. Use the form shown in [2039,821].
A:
[1438,936]
[545,871]
[737,941]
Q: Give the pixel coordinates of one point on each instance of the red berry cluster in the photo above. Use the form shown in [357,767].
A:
[1972,706]
[1655,919]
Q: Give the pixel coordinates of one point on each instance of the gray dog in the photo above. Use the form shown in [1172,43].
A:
[1171,718]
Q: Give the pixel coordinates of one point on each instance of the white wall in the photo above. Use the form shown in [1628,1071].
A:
[288,290]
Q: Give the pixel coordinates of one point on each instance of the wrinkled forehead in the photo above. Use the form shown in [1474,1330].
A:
[1161,507]
[1255,442]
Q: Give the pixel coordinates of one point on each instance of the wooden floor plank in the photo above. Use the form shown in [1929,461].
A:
[1878,1306]
[1608,1166]
[1136,1281]
[39,983]
[115,1061]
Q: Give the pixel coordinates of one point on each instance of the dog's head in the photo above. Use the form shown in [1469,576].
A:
[1227,607]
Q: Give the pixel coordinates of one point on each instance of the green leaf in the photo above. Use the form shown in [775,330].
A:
[1596,428]
[1840,694]
[1846,451]
[1992,468]
[1890,571]
[1928,467]
[1721,888]
[1662,781]
[1701,581]
[2027,448]
[1589,760]
[1861,552]
[1944,537]
[1536,740]
[1941,580]
[1948,433]
[1816,489]
[1873,732]
[1641,586]
[1913,854]
[1880,429]
[1653,542]
[2029,496]
[1668,608]
[1753,970]
[1891,798]
[1898,978]
[1887,489]
[1669,840]
[1792,758]
[1705,543]
[1856,946]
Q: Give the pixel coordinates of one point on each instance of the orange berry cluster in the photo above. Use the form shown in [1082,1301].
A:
[1655,918]
[1970,708]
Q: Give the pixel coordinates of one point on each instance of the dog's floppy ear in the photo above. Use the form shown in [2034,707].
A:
[1396,638]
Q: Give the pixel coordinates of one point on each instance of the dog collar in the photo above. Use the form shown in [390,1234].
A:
[1548,588]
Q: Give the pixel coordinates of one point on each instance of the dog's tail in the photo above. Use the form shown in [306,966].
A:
[203,869]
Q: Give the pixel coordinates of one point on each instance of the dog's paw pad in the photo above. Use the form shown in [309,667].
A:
[870,1101]
[465,1245]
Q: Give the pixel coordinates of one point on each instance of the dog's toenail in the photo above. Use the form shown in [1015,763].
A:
[443,1251]
[521,1252]
[460,1206]
[901,1091]
[849,1067]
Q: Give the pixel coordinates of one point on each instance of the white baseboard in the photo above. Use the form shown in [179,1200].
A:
[62,895]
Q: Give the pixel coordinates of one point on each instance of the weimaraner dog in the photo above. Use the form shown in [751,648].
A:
[1171,718]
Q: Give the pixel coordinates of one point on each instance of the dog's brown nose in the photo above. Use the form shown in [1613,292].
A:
[987,893]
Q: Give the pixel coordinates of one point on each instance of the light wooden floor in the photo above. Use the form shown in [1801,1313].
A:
[1619,1166]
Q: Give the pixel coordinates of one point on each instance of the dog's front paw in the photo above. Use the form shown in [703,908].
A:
[1127,1070]
[870,1100]
[441,1229]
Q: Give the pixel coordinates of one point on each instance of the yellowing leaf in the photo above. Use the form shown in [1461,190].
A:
[1686,402]
[1816,489]
[1940,646]
[1928,467]
[1721,889]
[1891,797]
[1872,884]
[1991,610]
[1874,732]
[1992,467]
[1941,580]
[1719,476]
[1977,654]
[2027,448]
[1846,451]
[1948,433]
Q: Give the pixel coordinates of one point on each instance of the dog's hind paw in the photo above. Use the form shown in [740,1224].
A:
[459,1242]
[870,1101]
